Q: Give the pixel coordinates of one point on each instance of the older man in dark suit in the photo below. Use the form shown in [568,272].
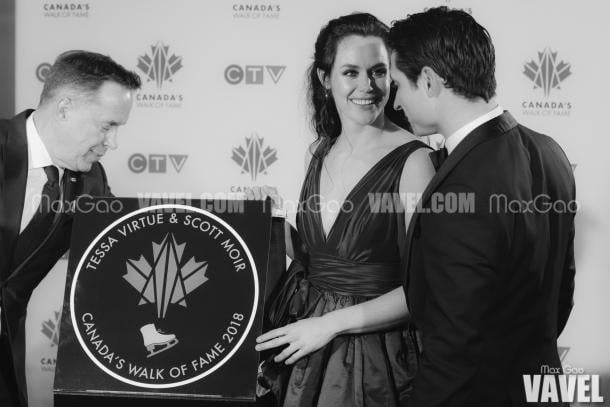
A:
[49,158]
[489,284]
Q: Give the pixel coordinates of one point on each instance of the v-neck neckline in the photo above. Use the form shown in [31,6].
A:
[357,186]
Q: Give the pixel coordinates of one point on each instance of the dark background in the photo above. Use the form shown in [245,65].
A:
[7,58]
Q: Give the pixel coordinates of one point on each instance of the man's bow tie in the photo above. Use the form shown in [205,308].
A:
[438,157]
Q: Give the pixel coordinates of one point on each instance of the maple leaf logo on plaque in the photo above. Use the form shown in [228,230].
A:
[167,281]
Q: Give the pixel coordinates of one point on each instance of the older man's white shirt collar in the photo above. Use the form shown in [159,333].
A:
[38,156]
[456,137]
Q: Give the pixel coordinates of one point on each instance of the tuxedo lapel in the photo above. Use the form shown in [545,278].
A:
[15,171]
[488,130]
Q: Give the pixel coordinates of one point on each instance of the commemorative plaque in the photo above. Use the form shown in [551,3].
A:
[163,302]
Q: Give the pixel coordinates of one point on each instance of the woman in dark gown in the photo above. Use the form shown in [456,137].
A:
[341,314]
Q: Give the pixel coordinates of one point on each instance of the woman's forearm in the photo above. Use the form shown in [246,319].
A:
[384,312]
[289,233]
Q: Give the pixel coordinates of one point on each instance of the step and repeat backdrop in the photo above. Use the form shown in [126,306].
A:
[223,107]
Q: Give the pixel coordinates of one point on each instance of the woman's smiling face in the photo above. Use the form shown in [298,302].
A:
[359,80]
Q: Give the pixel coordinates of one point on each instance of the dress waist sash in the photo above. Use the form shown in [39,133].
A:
[345,277]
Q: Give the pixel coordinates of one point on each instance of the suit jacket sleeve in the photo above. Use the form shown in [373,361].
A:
[566,290]
[463,254]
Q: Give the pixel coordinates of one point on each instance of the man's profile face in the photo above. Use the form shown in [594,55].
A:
[91,125]
[413,100]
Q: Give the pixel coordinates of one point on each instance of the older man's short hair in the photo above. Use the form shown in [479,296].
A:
[85,72]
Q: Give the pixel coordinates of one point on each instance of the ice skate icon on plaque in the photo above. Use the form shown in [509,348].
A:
[166,282]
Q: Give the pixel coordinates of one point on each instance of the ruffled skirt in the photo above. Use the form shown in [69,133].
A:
[374,369]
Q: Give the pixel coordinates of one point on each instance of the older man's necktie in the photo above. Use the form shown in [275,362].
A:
[50,202]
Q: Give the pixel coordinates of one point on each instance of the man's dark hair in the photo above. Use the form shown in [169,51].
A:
[86,71]
[453,44]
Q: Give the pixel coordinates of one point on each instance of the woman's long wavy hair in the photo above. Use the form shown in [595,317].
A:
[325,118]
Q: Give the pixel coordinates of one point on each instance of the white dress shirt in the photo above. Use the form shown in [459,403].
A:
[457,136]
[38,158]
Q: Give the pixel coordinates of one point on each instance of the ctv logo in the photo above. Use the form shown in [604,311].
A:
[556,385]
[156,163]
[253,74]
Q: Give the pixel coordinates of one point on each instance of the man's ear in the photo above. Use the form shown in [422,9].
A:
[62,107]
[433,84]
[323,78]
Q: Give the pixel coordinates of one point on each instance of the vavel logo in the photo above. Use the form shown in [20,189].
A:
[253,157]
[253,74]
[159,66]
[548,73]
[156,163]
[565,384]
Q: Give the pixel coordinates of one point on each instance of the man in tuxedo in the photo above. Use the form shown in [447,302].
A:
[489,284]
[48,158]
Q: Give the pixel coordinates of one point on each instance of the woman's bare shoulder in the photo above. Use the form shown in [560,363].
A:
[396,136]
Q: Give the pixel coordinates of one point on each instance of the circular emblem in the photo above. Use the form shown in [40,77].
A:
[164,296]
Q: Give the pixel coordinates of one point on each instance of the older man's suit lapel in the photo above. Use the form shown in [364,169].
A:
[13,176]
